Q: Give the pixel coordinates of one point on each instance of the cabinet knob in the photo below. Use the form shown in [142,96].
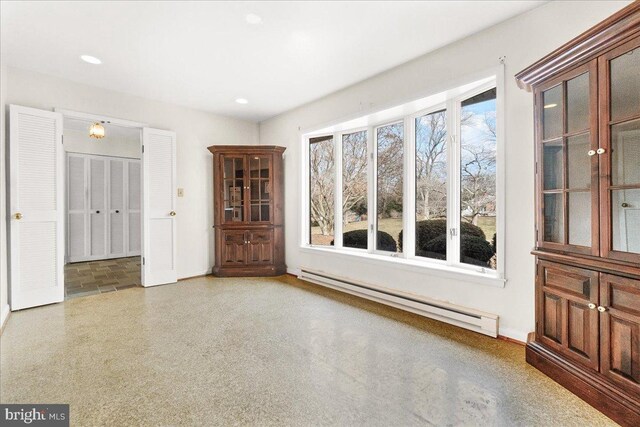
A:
[602,309]
[600,150]
[591,305]
[591,152]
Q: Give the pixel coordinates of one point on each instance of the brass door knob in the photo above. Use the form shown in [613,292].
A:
[591,305]
[602,309]
[17,215]
[172,213]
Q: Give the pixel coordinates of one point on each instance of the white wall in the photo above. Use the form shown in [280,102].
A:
[4,306]
[121,143]
[523,40]
[196,130]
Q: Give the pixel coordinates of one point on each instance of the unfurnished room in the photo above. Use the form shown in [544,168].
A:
[303,213]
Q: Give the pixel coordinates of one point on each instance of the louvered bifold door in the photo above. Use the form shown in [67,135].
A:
[98,215]
[117,209]
[36,207]
[77,220]
[159,208]
[134,200]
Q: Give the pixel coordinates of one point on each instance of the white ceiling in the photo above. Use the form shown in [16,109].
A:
[204,55]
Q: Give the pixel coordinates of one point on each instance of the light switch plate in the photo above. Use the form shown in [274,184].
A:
[180,192]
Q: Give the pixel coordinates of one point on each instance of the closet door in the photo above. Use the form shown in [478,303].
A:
[117,208]
[97,207]
[134,200]
[77,207]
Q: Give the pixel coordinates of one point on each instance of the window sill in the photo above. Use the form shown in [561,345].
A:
[446,271]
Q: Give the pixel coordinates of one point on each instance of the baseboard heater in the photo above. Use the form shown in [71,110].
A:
[484,323]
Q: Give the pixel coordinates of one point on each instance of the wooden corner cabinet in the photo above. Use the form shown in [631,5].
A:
[248,206]
[587,143]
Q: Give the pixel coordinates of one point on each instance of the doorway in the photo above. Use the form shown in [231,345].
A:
[103,209]
[38,197]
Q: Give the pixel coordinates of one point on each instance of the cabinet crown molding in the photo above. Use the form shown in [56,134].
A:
[616,28]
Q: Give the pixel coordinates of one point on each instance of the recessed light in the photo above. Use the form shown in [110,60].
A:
[242,101]
[252,18]
[550,105]
[91,59]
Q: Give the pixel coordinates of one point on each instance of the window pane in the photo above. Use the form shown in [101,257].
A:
[322,190]
[578,161]
[625,220]
[625,85]
[233,189]
[553,218]
[431,185]
[579,218]
[625,153]
[390,141]
[552,155]
[578,103]
[478,180]
[552,112]
[354,190]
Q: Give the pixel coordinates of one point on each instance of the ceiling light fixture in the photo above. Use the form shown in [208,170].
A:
[253,19]
[242,101]
[96,130]
[550,106]
[91,59]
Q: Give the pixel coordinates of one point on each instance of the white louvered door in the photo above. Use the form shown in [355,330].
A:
[36,207]
[117,208]
[159,207]
[78,207]
[98,215]
[134,204]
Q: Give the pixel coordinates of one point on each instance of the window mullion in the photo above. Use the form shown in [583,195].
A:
[453,182]
[409,203]
[338,220]
[371,187]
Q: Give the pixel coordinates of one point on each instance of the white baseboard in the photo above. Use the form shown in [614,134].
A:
[4,315]
[513,334]
[294,271]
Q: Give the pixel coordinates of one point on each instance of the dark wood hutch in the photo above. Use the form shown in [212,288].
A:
[248,206]
[587,143]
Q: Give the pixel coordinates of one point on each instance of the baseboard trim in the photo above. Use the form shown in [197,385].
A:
[5,312]
[194,277]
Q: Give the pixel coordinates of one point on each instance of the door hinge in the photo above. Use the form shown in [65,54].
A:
[143,148]
[143,261]
[62,139]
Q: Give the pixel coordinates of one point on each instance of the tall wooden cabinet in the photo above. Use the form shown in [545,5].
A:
[248,205]
[587,136]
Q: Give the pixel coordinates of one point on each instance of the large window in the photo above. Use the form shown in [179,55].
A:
[421,187]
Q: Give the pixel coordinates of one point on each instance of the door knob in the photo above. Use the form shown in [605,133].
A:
[591,152]
[600,150]
[172,213]
[625,205]
[17,215]
[591,305]
[97,211]
[602,309]
[117,211]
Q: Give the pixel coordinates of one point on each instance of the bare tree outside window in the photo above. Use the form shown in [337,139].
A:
[390,153]
[354,189]
[322,190]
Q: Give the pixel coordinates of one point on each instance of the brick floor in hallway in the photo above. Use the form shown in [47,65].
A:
[96,277]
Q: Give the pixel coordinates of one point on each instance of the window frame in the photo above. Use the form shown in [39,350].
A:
[452,266]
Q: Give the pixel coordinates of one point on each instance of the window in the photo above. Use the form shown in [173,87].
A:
[354,190]
[390,173]
[322,190]
[420,187]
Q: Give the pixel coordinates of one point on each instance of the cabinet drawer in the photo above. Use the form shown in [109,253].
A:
[575,282]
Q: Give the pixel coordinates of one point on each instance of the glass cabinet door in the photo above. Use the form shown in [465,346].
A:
[620,128]
[260,188]
[567,163]
[233,182]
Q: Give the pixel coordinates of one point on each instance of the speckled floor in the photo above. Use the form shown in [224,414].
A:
[211,351]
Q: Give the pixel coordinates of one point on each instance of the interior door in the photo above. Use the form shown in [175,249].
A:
[98,207]
[117,209]
[134,208]
[159,207]
[77,220]
[36,207]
